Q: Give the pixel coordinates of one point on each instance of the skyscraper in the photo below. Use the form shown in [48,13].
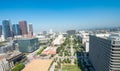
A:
[0,30]
[16,29]
[23,27]
[30,31]
[6,28]
[104,53]
[71,32]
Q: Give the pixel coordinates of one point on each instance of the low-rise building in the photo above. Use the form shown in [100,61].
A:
[59,40]
[15,56]
[28,44]
[4,64]
[2,38]
[42,38]
[7,47]
[65,34]
[84,37]
[49,50]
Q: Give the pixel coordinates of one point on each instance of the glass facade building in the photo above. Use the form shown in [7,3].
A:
[71,32]
[30,30]
[28,45]
[16,29]
[6,28]
[0,30]
[23,27]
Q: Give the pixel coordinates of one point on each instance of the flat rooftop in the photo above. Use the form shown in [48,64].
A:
[26,38]
[13,54]
[49,50]
[3,43]
[38,65]
[58,40]
[2,57]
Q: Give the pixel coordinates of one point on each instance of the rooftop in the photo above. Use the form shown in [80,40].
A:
[49,50]
[58,40]
[2,57]
[101,35]
[13,54]
[3,43]
[38,65]
[115,36]
[26,38]
[110,36]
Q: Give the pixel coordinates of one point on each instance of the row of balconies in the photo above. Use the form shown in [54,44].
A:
[116,48]
[114,69]
[117,63]
[115,59]
[115,52]
[115,56]
[114,66]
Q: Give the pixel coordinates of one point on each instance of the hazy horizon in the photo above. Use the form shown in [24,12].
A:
[62,15]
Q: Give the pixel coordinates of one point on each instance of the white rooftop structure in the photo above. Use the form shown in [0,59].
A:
[58,40]
[106,35]
[115,36]
[49,50]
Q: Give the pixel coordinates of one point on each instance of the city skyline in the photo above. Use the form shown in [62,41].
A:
[62,15]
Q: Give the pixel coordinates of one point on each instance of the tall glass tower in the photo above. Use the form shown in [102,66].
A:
[16,29]
[0,30]
[23,27]
[6,28]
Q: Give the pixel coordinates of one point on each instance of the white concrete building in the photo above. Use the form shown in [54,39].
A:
[87,46]
[18,37]
[84,37]
[59,40]
[106,35]
[4,64]
[104,52]
[7,47]
[2,38]
[42,38]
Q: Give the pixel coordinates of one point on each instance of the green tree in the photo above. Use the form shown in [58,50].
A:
[18,67]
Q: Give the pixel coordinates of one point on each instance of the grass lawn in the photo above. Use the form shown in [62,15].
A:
[70,68]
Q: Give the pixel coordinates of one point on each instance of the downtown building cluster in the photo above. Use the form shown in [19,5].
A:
[8,30]
[13,39]
[20,34]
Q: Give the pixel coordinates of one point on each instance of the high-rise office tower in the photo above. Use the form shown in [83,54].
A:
[104,53]
[0,30]
[6,28]
[16,29]
[44,32]
[30,30]
[23,27]
[71,32]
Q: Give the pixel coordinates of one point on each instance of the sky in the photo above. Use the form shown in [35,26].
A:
[62,15]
